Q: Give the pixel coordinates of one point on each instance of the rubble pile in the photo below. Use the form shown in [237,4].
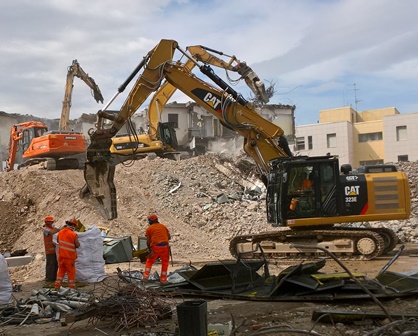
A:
[205,201]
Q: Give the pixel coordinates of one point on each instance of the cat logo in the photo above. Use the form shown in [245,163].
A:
[212,100]
[352,190]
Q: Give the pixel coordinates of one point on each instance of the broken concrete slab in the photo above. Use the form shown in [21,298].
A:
[19,261]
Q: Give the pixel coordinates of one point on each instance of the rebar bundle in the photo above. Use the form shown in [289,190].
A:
[129,305]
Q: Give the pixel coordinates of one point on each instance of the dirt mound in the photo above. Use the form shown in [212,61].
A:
[183,193]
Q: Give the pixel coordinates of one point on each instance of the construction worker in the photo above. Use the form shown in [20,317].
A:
[51,266]
[67,253]
[157,241]
[306,183]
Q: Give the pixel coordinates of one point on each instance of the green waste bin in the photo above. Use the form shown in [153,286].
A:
[193,318]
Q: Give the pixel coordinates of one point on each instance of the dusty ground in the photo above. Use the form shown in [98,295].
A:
[251,315]
[200,228]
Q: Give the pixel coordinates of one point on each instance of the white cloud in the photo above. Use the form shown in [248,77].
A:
[313,50]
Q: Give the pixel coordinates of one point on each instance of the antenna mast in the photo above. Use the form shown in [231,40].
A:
[355,96]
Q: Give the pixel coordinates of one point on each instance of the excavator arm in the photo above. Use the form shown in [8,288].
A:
[262,138]
[16,135]
[164,142]
[75,70]
[100,166]
[160,137]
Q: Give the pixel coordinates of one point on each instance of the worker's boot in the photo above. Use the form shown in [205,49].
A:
[163,278]
[145,276]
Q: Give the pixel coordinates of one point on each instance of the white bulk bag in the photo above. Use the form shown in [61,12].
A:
[6,287]
[90,265]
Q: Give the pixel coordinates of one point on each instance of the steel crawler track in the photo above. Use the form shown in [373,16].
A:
[346,243]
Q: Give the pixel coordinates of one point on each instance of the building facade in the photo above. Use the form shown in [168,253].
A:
[401,137]
[361,138]
[198,129]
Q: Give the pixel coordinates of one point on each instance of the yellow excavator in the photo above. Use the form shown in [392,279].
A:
[309,211]
[161,139]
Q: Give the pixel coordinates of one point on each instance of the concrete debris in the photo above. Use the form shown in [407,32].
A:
[44,304]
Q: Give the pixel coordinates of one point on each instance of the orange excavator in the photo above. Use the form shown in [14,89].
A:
[31,143]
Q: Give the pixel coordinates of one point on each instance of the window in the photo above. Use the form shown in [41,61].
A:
[174,120]
[26,137]
[331,140]
[402,158]
[310,143]
[25,140]
[401,134]
[216,131]
[300,143]
[370,137]
[301,196]
[39,132]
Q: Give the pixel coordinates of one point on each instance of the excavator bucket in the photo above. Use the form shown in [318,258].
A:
[99,185]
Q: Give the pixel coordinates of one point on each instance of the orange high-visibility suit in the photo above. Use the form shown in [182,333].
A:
[67,254]
[157,240]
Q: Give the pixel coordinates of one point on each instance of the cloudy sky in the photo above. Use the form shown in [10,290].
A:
[319,54]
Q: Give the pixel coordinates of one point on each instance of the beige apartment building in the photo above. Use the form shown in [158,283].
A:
[360,138]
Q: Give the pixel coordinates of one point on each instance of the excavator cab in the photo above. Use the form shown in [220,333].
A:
[167,134]
[310,191]
[27,135]
[135,146]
